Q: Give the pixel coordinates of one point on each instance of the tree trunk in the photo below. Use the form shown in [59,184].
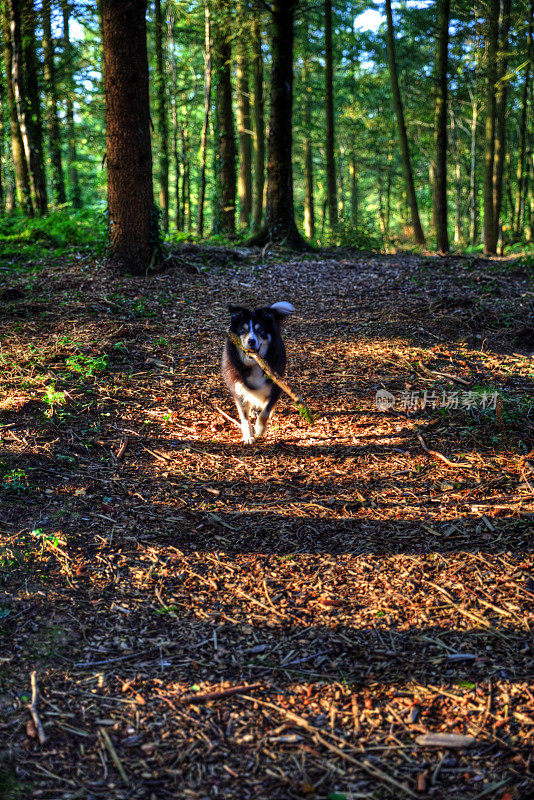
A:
[72,170]
[529,199]
[309,204]
[259,124]
[132,219]
[20,166]
[31,70]
[340,186]
[457,183]
[440,133]
[161,116]
[225,146]
[174,121]
[490,237]
[52,119]
[2,149]
[500,116]
[472,174]
[243,121]
[523,132]
[403,138]
[353,172]
[280,224]
[26,93]
[331,192]
[186,186]
[205,123]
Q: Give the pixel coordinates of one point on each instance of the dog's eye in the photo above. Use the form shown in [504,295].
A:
[259,329]
[242,330]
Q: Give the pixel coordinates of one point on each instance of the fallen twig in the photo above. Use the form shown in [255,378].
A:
[227,416]
[122,448]
[204,697]
[441,457]
[32,708]
[113,753]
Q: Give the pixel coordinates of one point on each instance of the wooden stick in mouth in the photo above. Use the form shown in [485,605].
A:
[274,377]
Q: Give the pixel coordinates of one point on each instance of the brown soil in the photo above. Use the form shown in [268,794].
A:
[361,590]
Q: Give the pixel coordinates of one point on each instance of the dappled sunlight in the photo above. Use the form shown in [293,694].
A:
[313,603]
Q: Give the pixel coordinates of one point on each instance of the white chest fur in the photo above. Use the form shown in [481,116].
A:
[258,390]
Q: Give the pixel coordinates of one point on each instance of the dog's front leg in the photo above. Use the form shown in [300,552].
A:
[243,409]
[263,417]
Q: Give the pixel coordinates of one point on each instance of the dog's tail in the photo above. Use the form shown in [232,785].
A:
[283,308]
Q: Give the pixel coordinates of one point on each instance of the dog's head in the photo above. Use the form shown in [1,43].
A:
[256,329]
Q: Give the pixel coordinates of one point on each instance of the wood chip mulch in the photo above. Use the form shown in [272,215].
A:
[305,617]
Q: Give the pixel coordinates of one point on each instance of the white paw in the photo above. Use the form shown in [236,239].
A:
[259,429]
[248,439]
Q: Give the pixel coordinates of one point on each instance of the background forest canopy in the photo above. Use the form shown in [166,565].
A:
[419,129]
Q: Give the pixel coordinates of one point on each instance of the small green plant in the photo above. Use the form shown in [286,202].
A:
[87,366]
[53,398]
[16,480]
[44,539]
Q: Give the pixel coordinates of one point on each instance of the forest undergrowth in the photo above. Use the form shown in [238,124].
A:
[291,619]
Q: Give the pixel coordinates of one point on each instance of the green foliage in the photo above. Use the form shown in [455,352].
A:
[52,398]
[65,230]
[15,480]
[45,538]
[87,366]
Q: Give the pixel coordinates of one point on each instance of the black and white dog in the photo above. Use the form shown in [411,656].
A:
[252,391]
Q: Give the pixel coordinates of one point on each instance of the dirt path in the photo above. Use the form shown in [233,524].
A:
[341,571]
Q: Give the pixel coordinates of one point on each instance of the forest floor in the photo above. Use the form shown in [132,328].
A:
[356,589]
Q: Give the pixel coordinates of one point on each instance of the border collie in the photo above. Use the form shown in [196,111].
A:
[251,389]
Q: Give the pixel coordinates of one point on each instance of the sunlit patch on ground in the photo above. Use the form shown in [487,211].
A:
[369,578]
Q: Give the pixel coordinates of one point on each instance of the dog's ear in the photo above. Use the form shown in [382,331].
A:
[236,311]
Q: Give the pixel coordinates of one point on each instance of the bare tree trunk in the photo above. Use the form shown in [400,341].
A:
[472,174]
[161,115]
[490,238]
[388,196]
[31,69]
[244,132]
[280,223]
[309,204]
[259,124]
[500,116]
[457,183]
[20,166]
[529,199]
[440,133]
[2,149]
[205,123]
[133,224]
[26,93]
[403,138]
[52,119]
[186,183]
[353,172]
[340,184]
[226,151]
[331,192]
[381,214]
[174,120]
[72,170]
[523,132]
